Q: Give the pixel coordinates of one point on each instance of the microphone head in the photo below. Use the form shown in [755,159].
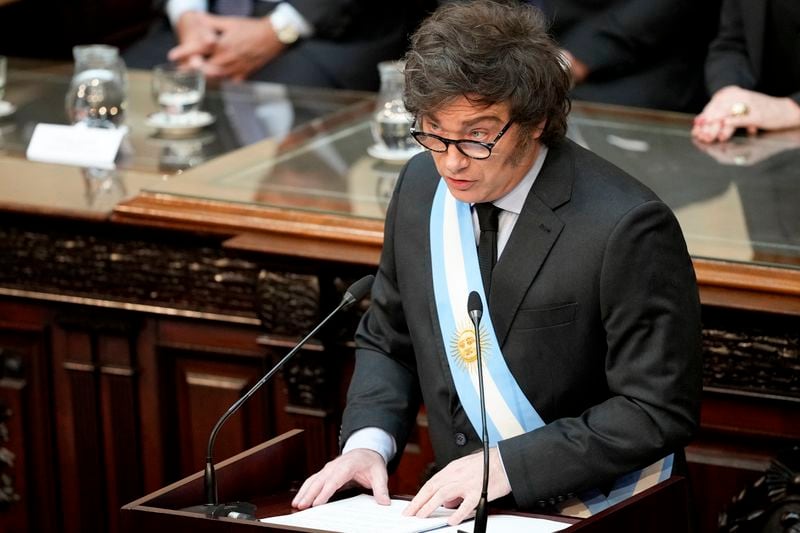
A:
[358,290]
[474,303]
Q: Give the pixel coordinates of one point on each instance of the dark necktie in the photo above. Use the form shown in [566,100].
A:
[234,8]
[488,215]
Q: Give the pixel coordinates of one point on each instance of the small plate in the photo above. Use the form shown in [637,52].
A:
[6,108]
[180,125]
[379,151]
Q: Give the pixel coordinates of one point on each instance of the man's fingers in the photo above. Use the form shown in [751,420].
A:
[419,500]
[463,511]
[328,489]
[306,491]
[380,486]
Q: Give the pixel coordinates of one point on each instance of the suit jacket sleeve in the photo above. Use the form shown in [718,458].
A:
[384,390]
[728,62]
[650,312]
[626,35]
[331,19]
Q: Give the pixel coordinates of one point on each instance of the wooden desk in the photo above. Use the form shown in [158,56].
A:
[128,320]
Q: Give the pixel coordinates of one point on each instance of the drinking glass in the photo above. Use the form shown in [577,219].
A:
[178,91]
[97,95]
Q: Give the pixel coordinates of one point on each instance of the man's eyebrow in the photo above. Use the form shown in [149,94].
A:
[467,123]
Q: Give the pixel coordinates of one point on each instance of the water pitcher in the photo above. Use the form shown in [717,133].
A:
[98,91]
[391,122]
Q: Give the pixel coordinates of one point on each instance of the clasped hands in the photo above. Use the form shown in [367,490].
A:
[224,47]
[733,107]
[456,485]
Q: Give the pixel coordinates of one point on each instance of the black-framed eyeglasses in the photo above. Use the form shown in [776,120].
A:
[473,149]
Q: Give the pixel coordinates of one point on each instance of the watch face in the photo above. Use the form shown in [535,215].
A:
[287,34]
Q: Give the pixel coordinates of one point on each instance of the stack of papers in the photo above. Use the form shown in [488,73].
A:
[362,514]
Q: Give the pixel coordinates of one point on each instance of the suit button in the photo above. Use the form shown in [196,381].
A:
[461,439]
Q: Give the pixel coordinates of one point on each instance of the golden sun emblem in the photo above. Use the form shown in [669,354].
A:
[462,346]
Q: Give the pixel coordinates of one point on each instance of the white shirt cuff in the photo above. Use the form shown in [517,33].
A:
[286,15]
[374,439]
[176,8]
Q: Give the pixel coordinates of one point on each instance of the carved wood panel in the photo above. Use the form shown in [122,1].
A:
[98,436]
[205,369]
[27,465]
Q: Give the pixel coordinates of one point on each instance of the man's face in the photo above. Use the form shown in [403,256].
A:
[473,180]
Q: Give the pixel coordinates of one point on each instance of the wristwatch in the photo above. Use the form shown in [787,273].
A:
[286,31]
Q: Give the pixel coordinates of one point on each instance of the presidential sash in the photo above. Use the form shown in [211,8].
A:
[454,264]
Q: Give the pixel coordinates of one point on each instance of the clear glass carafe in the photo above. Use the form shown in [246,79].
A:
[98,90]
[391,122]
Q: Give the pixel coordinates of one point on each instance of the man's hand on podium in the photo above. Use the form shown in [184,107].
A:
[361,466]
[459,485]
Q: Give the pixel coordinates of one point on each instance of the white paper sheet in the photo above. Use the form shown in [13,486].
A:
[361,514]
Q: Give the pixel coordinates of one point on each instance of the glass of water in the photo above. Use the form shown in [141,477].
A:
[178,91]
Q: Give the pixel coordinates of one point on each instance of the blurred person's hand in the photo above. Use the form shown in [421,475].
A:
[243,46]
[577,67]
[196,39]
[732,108]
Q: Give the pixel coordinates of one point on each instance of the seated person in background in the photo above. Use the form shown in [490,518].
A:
[591,330]
[643,53]
[752,70]
[322,43]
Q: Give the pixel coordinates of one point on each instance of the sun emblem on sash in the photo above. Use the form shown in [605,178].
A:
[462,346]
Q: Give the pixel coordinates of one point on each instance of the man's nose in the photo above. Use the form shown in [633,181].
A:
[454,160]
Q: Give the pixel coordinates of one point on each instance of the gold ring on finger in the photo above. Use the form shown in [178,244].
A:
[739,109]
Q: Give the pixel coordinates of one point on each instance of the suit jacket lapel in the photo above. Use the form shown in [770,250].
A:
[535,232]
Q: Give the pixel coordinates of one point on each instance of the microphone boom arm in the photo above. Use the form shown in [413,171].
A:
[354,293]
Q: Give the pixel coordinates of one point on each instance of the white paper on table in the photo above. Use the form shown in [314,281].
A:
[75,145]
[362,514]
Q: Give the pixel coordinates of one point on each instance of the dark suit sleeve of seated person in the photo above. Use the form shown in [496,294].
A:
[616,379]
[357,19]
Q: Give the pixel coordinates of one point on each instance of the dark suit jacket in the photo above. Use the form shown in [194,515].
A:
[595,306]
[644,53]
[353,36]
[735,56]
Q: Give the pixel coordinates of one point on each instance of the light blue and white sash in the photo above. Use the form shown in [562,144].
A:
[509,413]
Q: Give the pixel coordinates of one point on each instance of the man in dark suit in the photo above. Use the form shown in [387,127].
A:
[321,43]
[591,332]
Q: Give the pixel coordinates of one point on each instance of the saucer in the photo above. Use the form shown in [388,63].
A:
[180,125]
[379,151]
[6,108]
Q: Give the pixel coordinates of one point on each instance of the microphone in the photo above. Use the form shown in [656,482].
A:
[475,308]
[244,510]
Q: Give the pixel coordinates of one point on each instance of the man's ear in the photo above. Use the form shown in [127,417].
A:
[539,129]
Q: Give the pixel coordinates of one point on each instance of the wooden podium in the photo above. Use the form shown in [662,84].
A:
[265,475]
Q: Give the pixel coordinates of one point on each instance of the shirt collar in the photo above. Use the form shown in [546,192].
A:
[515,199]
